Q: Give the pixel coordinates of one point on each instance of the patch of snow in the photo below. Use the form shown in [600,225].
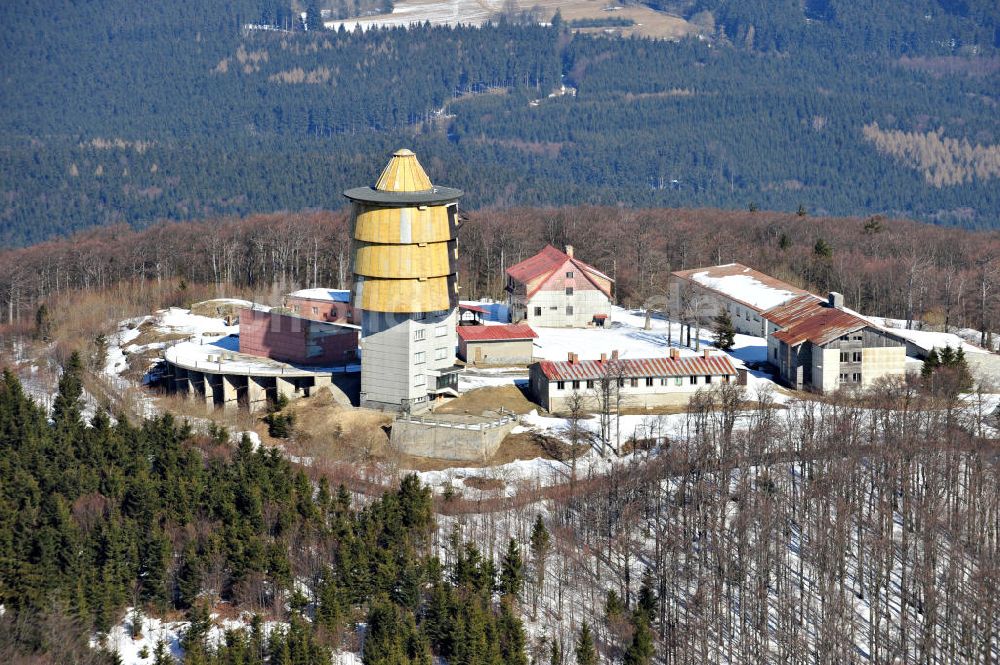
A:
[331,295]
[745,288]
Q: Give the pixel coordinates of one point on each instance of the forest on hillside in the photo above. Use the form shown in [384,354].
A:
[946,278]
[177,112]
[863,528]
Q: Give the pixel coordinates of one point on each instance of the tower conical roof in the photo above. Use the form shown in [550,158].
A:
[404,182]
[403,173]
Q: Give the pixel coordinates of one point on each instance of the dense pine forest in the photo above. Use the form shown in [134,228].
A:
[119,113]
[96,515]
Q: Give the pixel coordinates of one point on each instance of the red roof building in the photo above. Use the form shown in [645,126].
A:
[642,382]
[555,289]
[496,345]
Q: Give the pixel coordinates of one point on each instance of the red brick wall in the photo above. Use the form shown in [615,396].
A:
[296,340]
[326,310]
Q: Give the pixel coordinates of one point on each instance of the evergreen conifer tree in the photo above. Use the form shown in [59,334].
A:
[586,654]
[511,570]
[725,333]
[640,651]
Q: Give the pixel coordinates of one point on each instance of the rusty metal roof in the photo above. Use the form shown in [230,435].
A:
[822,327]
[495,333]
[794,310]
[587,370]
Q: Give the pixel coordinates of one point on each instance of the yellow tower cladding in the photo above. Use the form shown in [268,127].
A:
[404,240]
[404,267]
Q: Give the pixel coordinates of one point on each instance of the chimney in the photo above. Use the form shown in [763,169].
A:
[674,354]
[835,300]
[614,354]
[604,357]
[569,251]
[569,357]
[706,353]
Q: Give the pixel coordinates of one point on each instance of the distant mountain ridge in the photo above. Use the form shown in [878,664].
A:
[112,113]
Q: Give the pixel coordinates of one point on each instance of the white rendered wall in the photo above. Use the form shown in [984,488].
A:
[392,371]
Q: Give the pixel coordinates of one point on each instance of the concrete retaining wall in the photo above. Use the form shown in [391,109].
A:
[453,441]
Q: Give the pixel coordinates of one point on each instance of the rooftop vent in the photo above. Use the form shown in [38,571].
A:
[569,251]
[835,300]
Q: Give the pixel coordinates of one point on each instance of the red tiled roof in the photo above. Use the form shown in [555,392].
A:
[821,327]
[547,262]
[495,333]
[585,370]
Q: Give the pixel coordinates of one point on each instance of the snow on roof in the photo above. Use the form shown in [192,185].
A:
[927,339]
[332,295]
[743,284]
[218,358]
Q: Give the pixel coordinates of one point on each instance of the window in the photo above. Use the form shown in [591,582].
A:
[845,356]
[856,377]
[419,334]
[576,385]
[441,331]
[678,381]
[590,383]
[295,308]
[569,310]
[315,310]
[420,316]
[569,290]
[419,357]
[560,385]
[633,382]
[649,381]
[856,357]
[553,307]
[843,378]
[569,274]
[708,378]
[775,353]
[663,381]
[693,380]
[621,383]
[538,311]
[419,380]
[746,315]
[440,354]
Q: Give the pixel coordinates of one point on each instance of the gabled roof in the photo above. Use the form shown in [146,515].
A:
[822,326]
[587,370]
[546,262]
[495,333]
[794,310]
[743,284]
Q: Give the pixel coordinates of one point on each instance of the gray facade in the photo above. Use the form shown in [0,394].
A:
[407,359]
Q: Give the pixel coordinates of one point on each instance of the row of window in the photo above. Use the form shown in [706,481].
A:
[421,356]
[854,377]
[633,382]
[850,356]
[421,333]
[569,310]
